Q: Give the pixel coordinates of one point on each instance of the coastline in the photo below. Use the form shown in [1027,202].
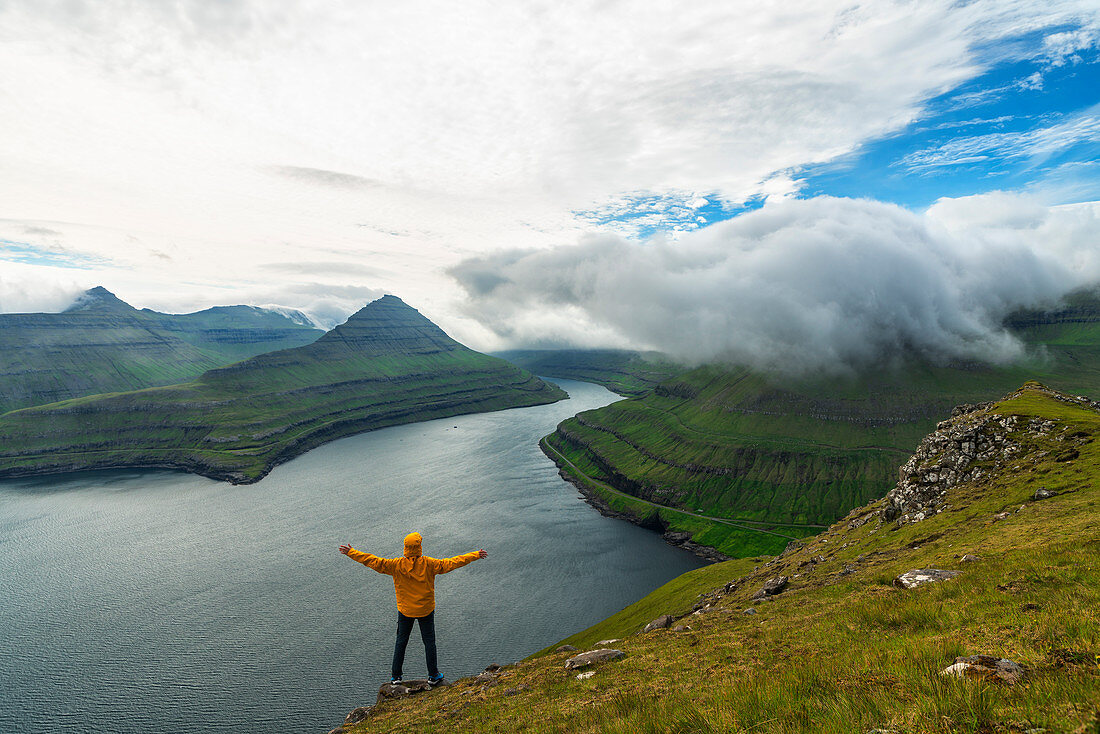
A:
[676,539]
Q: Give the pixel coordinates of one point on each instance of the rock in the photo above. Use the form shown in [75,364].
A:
[1002,515]
[566,648]
[358,715]
[492,668]
[337,730]
[586,675]
[946,458]
[514,691]
[985,667]
[612,641]
[661,623]
[405,688]
[771,587]
[750,610]
[592,657]
[919,576]
[1042,493]
[970,558]
[680,628]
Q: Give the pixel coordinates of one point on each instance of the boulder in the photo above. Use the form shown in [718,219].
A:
[970,558]
[985,667]
[593,657]
[586,675]
[1042,493]
[612,641]
[358,715]
[771,587]
[661,623]
[750,610]
[566,648]
[681,628]
[919,576]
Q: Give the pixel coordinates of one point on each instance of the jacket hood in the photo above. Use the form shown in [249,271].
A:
[412,545]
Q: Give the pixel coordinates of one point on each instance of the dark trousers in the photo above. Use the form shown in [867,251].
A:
[427,633]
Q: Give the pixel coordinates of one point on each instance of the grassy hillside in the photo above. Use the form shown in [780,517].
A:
[386,365]
[102,344]
[626,372]
[843,649]
[735,444]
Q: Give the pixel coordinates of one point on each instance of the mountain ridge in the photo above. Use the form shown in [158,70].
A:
[102,344]
[239,421]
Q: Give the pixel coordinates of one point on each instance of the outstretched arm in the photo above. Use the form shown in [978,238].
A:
[381,565]
[446,565]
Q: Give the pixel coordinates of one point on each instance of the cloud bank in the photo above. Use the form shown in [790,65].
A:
[801,285]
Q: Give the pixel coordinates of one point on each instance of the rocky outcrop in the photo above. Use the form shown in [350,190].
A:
[920,576]
[593,657]
[967,447]
[771,587]
[985,667]
[950,455]
[661,623]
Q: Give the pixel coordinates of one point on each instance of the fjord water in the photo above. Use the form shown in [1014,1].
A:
[137,601]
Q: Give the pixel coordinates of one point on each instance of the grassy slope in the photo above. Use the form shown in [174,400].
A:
[105,345]
[386,365]
[730,443]
[842,650]
[626,372]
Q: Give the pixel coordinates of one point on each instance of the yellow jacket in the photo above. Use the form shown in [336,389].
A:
[413,574]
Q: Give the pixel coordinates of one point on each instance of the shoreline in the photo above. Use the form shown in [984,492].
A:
[676,539]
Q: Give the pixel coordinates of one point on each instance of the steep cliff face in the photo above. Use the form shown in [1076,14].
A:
[387,365]
[101,344]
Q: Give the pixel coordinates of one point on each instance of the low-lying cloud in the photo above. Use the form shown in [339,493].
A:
[801,285]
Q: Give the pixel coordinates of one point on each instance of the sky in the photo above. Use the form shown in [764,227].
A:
[804,182]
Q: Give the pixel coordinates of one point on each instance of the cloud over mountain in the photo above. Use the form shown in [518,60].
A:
[823,283]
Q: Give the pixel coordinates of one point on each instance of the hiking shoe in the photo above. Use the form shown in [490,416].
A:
[435,680]
[394,681]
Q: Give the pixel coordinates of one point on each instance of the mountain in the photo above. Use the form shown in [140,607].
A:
[102,344]
[775,459]
[999,504]
[626,372]
[386,365]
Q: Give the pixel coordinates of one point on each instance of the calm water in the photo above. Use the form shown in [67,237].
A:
[137,601]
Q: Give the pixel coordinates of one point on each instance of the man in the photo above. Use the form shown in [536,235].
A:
[414,583]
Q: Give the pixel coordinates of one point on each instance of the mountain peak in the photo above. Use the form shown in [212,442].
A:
[98,298]
[388,324]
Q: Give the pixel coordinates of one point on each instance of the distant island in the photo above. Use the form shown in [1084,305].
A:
[386,365]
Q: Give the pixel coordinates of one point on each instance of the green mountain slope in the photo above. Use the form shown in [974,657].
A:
[738,445]
[102,344]
[626,372]
[386,365]
[842,648]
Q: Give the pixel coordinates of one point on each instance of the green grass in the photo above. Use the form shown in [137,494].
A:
[388,366]
[847,651]
[731,443]
[110,346]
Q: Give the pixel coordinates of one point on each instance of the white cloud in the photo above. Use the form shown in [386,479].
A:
[803,285]
[187,142]
[1040,142]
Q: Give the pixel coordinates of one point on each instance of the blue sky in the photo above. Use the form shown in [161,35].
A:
[1029,121]
[1024,125]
